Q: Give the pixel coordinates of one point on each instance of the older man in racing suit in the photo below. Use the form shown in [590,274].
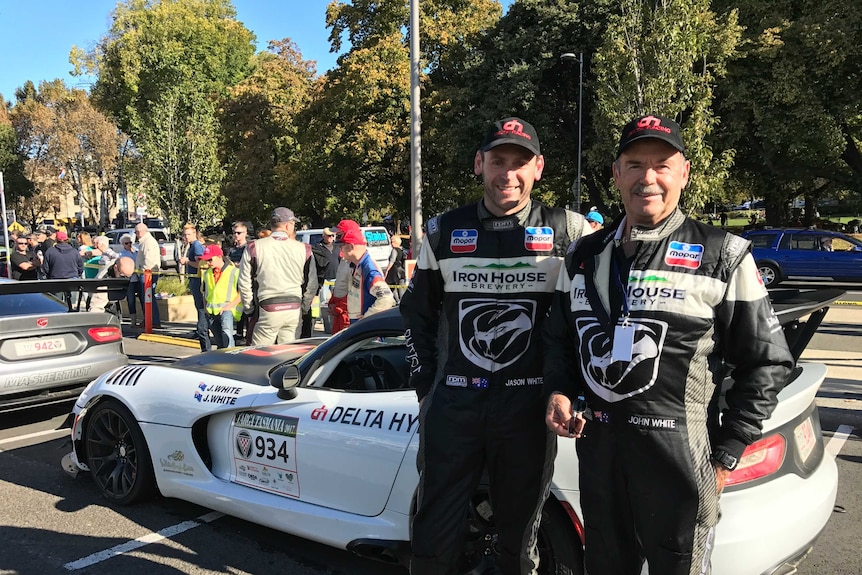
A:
[644,315]
[482,286]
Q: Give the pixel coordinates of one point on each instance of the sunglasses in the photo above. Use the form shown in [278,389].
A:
[127,243]
[24,243]
[239,232]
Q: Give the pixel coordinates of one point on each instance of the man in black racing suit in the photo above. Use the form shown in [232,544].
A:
[483,284]
[644,315]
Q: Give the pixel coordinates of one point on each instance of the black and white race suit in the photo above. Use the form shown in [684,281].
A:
[695,300]
[481,289]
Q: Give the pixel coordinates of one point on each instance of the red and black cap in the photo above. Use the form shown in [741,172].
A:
[512,131]
[651,126]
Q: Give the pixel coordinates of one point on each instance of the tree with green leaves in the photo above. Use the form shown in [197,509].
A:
[666,58]
[59,131]
[792,103]
[354,148]
[181,160]
[16,185]
[663,57]
[162,68]
[259,129]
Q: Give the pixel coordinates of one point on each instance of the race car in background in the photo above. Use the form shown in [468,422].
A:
[319,439]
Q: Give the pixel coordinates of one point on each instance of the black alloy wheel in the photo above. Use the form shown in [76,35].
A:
[117,454]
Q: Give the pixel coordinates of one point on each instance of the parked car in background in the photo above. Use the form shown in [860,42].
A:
[167,246]
[318,438]
[377,237]
[805,254]
[47,354]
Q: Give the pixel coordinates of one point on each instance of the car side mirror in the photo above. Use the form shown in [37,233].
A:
[285,380]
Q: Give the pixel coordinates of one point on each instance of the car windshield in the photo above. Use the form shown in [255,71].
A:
[30,304]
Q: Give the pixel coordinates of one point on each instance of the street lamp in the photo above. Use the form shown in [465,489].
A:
[576,188]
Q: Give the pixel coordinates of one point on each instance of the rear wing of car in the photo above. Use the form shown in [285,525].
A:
[800,312]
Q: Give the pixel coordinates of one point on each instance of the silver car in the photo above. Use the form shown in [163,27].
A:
[48,355]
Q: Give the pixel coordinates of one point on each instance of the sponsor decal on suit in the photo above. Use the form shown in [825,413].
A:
[493,333]
[539,239]
[684,255]
[464,241]
[615,380]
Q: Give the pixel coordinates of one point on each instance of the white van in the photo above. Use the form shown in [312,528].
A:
[379,245]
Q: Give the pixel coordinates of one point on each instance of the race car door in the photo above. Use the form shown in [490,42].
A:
[339,448]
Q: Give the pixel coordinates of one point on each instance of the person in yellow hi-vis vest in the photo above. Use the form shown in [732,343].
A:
[221,296]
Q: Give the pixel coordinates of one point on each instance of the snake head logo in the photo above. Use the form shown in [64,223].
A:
[495,333]
[617,380]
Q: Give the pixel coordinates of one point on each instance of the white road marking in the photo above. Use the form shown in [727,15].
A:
[57,432]
[835,444]
[123,548]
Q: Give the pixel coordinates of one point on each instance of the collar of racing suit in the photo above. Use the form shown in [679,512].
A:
[646,234]
[517,219]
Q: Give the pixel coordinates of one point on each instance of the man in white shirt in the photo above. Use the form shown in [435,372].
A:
[148,258]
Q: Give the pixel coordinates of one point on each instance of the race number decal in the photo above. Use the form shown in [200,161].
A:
[264,452]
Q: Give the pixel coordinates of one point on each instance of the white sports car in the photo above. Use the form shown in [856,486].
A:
[319,439]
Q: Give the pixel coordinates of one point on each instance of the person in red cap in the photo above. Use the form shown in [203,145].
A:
[368,293]
[221,295]
[482,286]
[62,261]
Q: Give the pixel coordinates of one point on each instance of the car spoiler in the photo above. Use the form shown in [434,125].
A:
[791,305]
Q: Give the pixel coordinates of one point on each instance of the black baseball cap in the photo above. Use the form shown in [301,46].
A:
[512,131]
[651,126]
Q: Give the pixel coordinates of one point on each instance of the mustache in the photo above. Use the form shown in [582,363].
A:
[648,189]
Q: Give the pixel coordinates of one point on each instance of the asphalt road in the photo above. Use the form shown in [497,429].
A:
[51,524]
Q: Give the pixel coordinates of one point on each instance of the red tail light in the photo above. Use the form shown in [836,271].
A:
[759,459]
[105,334]
[163,250]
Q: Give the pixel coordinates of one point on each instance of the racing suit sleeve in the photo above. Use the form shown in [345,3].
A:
[310,285]
[246,275]
[420,309]
[753,343]
[383,298]
[561,373]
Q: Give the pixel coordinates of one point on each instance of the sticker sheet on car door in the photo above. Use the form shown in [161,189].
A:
[264,452]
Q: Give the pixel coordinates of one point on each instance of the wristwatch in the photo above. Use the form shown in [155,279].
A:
[725,459]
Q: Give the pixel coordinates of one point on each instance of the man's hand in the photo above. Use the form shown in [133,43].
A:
[560,417]
[721,475]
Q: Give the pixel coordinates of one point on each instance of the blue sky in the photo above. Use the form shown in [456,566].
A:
[36,35]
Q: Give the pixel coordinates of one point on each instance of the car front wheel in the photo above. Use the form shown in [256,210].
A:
[770,273]
[117,454]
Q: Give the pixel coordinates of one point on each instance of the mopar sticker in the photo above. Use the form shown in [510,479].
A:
[684,255]
[464,241]
[265,454]
[539,239]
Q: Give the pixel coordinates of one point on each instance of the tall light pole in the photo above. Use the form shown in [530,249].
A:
[415,133]
[576,188]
